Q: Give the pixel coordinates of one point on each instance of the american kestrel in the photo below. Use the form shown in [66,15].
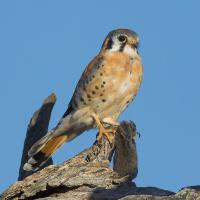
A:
[107,86]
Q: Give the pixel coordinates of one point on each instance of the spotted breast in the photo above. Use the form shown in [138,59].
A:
[110,85]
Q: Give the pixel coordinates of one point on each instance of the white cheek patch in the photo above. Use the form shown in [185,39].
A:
[115,46]
[130,51]
[127,49]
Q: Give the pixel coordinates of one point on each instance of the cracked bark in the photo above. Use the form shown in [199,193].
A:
[88,176]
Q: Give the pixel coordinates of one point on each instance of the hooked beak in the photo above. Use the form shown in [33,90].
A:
[135,43]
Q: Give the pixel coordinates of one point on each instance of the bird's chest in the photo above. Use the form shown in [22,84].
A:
[120,78]
[115,75]
[111,85]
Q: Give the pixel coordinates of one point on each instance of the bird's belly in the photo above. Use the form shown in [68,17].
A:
[119,91]
[108,90]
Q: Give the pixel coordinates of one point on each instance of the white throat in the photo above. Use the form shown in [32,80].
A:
[116,46]
[130,51]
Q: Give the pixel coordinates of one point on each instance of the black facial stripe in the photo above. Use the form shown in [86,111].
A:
[109,44]
[121,48]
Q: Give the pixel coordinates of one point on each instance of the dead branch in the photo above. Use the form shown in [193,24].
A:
[37,128]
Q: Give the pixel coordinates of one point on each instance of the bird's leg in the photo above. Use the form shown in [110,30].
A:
[110,121]
[102,129]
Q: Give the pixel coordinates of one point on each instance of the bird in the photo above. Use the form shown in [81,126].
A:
[106,87]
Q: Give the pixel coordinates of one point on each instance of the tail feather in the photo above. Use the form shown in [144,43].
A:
[39,144]
[42,151]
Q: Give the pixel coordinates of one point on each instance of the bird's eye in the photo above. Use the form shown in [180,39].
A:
[122,38]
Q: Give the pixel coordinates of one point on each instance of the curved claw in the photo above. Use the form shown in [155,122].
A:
[102,130]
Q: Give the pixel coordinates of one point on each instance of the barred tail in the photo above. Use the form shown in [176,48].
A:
[42,150]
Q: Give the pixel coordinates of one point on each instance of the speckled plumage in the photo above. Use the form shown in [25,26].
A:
[110,85]
[107,86]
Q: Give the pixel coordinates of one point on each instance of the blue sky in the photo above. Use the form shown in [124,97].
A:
[45,46]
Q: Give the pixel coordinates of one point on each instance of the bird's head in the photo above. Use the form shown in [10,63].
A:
[121,40]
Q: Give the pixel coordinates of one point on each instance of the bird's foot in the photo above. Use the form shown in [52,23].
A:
[102,129]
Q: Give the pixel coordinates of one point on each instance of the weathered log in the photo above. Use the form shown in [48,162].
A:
[80,179]
[85,174]
[88,176]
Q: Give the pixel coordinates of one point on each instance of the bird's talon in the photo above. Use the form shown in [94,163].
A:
[101,135]
[102,130]
[106,133]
